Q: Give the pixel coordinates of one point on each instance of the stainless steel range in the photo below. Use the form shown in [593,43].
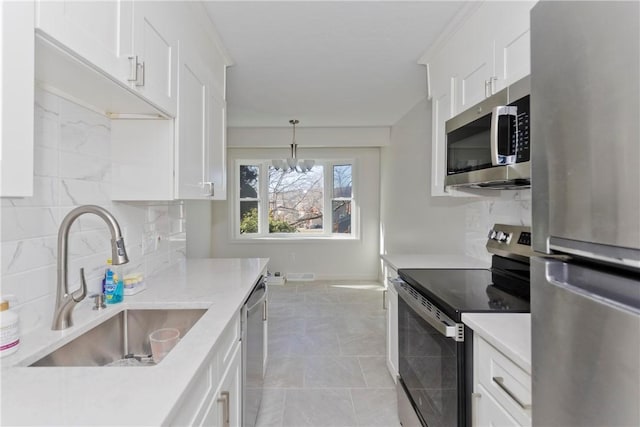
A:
[435,348]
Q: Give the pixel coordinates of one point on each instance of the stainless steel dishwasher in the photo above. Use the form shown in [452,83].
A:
[254,318]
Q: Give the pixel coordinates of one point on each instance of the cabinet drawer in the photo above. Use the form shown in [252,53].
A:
[509,384]
[488,412]
[198,394]
[226,343]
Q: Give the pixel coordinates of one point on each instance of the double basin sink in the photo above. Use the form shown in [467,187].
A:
[123,337]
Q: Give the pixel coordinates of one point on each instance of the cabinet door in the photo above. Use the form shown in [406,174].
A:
[99,31]
[473,67]
[473,77]
[392,331]
[17,102]
[193,128]
[487,412]
[440,113]
[216,168]
[155,45]
[512,45]
[225,408]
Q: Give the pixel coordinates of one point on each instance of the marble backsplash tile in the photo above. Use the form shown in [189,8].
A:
[510,207]
[72,168]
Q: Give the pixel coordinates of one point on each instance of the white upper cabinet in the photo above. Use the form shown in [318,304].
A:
[100,32]
[135,43]
[184,158]
[487,50]
[440,112]
[17,99]
[194,130]
[217,147]
[154,55]
[473,69]
[512,46]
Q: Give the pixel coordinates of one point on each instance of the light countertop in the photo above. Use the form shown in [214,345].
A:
[508,332]
[128,395]
[398,261]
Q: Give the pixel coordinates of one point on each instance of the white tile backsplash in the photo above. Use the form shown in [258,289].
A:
[510,207]
[72,168]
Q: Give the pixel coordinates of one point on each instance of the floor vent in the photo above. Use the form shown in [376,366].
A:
[301,277]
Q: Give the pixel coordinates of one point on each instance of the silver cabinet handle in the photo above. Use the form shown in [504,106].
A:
[224,399]
[136,74]
[264,311]
[487,90]
[384,299]
[133,74]
[492,84]
[500,382]
[140,81]
[474,408]
[211,188]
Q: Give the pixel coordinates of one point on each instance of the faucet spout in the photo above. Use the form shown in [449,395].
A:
[66,301]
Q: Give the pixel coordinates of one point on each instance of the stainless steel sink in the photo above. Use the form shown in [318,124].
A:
[126,333]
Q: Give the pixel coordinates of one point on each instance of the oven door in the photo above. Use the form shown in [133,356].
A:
[430,350]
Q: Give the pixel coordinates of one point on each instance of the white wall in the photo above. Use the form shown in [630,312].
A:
[345,259]
[412,221]
[308,137]
[72,168]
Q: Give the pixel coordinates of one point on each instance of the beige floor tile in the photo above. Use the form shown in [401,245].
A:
[327,363]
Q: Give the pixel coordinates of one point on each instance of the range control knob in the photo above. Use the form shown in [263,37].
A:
[492,234]
[503,237]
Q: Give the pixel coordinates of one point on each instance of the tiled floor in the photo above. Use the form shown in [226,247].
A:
[326,357]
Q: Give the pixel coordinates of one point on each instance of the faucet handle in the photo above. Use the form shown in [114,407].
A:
[77,297]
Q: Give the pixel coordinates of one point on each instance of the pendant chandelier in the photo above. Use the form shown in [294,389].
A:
[292,163]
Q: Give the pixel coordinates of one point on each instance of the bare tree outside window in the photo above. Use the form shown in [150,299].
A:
[296,200]
[315,203]
[341,200]
[249,198]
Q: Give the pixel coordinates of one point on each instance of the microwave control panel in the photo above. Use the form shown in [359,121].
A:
[520,137]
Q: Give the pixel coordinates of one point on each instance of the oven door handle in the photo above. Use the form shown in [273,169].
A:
[449,329]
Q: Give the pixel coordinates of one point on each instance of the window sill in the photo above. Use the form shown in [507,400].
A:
[297,239]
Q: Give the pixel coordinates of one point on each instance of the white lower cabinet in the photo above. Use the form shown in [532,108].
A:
[502,389]
[391,323]
[214,397]
[225,407]
[488,412]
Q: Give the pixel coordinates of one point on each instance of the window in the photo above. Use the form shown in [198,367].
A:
[290,204]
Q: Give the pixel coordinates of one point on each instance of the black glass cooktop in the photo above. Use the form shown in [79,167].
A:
[459,291]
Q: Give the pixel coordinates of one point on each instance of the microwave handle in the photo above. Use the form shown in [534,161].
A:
[497,158]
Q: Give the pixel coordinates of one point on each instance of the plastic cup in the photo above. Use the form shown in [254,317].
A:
[162,341]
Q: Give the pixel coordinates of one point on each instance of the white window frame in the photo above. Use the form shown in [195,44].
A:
[263,204]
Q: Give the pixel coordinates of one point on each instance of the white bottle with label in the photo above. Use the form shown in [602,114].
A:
[9,330]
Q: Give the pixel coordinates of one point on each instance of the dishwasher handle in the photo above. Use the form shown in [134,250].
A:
[257,297]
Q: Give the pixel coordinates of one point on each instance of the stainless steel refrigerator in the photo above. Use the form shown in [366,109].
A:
[585,138]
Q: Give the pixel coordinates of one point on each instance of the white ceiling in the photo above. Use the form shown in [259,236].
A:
[326,63]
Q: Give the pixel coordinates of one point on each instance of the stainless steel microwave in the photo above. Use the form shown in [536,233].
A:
[488,145]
